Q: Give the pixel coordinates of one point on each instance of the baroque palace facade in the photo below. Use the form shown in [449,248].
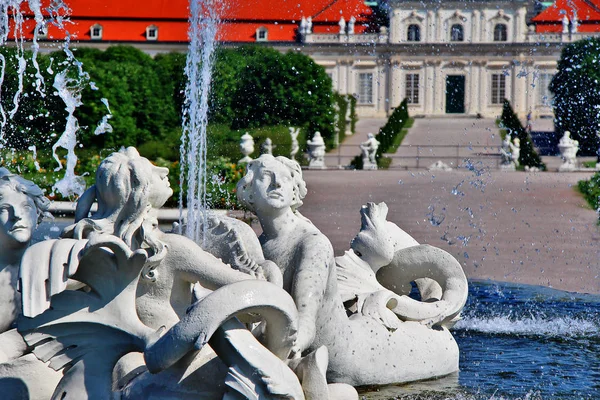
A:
[445,57]
[454,57]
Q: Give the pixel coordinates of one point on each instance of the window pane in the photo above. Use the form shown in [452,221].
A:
[414,33]
[412,88]
[365,88]
[456,33]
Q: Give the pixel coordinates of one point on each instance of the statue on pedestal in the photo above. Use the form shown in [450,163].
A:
[246,147]
[316,152]
[506,155]
[369,152]
[568,151]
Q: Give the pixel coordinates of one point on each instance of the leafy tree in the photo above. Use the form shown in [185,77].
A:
[141,105]
[511,123]
[277,88]
[576,89]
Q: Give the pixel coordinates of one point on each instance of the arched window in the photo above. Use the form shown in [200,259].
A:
[414,33]
[457,33]
[262,34]
[500,33]
[152,32]
[96,32]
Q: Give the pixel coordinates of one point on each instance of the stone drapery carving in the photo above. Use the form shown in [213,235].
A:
[243,316]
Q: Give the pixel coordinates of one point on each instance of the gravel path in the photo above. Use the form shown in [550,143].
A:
[518,227]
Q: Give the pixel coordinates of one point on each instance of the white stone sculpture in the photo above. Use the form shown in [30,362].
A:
[369,152]
[140,282]
[342,25]
[22,206]
[565,24]
[348,117]
[267,146]
[351,25]
[316,152]
[246,147]
[294,132]
[309,25]
[506,155]
[568,151]
[400,338]
[515,151]
[303,30]
[124,310]
[439,166]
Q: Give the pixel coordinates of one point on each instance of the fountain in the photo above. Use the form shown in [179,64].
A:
[300,351]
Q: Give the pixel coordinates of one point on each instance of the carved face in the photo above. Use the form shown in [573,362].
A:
[160,187]
[18,217]
[273,186]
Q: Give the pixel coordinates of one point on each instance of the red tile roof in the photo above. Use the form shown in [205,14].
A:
[127,20]
[587,11]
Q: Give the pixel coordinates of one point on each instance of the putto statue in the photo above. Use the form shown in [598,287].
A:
[316,152]
[568,151]
[124,309]
[246,147]
[369,151]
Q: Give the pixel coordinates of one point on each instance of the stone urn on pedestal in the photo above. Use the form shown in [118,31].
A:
[316,152]
[246,148]
[568,151]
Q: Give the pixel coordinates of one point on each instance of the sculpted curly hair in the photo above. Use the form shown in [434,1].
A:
[244,186]
[122,189]
[22,185]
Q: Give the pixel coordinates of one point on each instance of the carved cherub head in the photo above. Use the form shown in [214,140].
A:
[22,207]
[127,187]
[272,182]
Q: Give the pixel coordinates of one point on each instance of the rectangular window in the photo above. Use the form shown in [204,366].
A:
[151,33]
[365,88]
[412,88]
[498,88]
[546,98]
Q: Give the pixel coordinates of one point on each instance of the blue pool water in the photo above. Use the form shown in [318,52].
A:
[519,342]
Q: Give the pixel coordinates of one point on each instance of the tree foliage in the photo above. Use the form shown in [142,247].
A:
[253,86]
[576,89]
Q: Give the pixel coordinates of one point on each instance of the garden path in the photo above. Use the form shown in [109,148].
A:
[448,140]
[532,228]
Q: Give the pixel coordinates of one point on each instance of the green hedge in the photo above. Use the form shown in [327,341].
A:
[591,190]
